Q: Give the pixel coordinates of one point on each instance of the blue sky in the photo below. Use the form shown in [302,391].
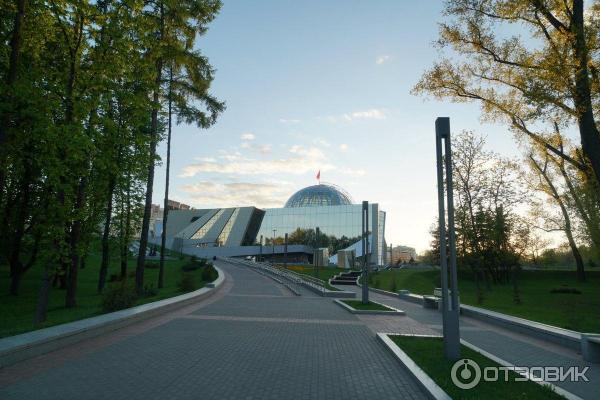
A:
[323,85]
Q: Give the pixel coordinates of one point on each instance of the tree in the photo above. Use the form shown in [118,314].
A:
[547,185]
[178,24]
[532,82]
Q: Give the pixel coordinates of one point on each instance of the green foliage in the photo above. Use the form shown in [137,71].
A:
[209,273]
[118,297]
[76,131]
[187,283]
[152,265]
[566,290]
[394,285]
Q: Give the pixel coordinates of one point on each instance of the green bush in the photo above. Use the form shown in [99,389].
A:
[394,287]
[565,290]
[189,267]
[152,265]
[209,273]
[118,297]
[150,290]
[187,283]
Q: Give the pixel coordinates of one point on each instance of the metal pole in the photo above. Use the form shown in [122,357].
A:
[260,257]
[365,246]
[451,230]
[285,242]
[449,311]
[317,253]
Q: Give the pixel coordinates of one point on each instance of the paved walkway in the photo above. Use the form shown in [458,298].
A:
[518,349]
[252,340]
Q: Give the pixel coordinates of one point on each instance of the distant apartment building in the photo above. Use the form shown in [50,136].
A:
[156,215]
[402,254]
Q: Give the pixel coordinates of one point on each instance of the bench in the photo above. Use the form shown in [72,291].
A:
[590,347]
[435,301]
[431,302]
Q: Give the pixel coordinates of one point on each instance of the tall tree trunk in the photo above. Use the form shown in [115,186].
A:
[163,239]
[70,300]
[139,271]
[14,259]
[125,231]
[106,234]
[43,296]
[590,137]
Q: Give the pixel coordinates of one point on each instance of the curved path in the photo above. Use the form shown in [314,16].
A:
[254,339]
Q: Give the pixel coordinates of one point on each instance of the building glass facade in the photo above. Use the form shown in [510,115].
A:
[224,235]
[343,222]
[200,233]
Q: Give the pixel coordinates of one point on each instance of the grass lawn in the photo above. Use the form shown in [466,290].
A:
[358,305]
[325,273]
[428,354]
[17,312]
[566,310]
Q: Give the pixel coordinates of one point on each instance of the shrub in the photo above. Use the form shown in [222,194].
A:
[187,283]
[209,273]
[394,287]
[193,259]
[151,265]
[114,278]
[118,297]
[150,291]
[190,267]
[565,290]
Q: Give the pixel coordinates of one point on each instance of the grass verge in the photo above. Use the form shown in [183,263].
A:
[428,354]
[17,312]
[540,301]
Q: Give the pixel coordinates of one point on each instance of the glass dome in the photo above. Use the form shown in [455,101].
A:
[319,195]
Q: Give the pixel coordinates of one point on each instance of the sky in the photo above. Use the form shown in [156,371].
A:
[322,85]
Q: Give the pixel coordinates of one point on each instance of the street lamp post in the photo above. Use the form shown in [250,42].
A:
[365,250]
[285,243]
[450,306]
[316,253]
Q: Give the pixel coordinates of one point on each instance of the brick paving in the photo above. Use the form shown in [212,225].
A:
[252,340]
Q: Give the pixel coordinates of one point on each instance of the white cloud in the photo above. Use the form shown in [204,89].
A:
[248,136]
[381,59]
[373,113]
[234,194]
[353,172]
[321,142]
[343,147]
[289,121]
[301,160]
[369,114]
